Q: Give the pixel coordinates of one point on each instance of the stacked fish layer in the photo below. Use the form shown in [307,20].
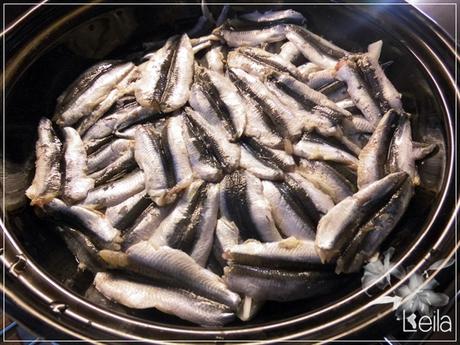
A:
[253,164]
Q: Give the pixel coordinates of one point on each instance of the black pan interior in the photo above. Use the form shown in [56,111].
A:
[113,32]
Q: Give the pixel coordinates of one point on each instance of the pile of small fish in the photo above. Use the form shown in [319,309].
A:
[252,164]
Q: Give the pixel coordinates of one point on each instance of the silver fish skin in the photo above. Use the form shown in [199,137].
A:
[315,48]
[122,88]
[76,183]
[183,269]
[115,192]
[284,120]
[311,148]
[242,201]
[289,52]
[218,100]
[318,79]
[370,63]
[148,153]
[322,201]
[252,38]
[287,220]
[145,226]
[204,164]
[180,77]
[175,224]
[357,124]
[104,156]
[97,97]
[257,167]
[339,225]
[257,126]
[226,153]
[260,210]
[153,75]
[83,249]
[119,166]
[227,236]
[401,155]
[371,165]
[270,16]
[119,120]
[288,253]
[177,148]
[326,178]
[271,157]
[91,223]
[347,72]
[117,212]
[259,62]
[278,285]
[214,59]
[371,235]
[79,85]
[208,220]
[304,94]
[47,180]
[139,295]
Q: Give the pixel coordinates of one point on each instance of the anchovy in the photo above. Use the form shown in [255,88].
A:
[315,48]
[166,77]
[322,201]
[371,235]
[371,165]
[120,119]
[421,150]
[258,126]
[358,90]
[290,253]
[123,87]
[179,228]
[307,68]
[401,156]
[288,16]
[250,162]
[150,156]
[76,183]
[205,232]
[217,99]
[326,179]
[318,79]
[259,62]
[225,152]
[174,143]
[145,225]
[271,157]
[291,216]
[214,59]
[47,180]
[314,147]
[339,225]
[181,303]
[381,86]
[127,211]
[290,53]
[118,167]
[95,97]
[285,121]
[279,285]
[91,223]
[242,201]
[180,268]
[115,192]
[227,236]
[235,38]
[83,249]
[104,156]
[305,95]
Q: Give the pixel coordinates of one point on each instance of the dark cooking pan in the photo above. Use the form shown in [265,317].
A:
[50,47]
